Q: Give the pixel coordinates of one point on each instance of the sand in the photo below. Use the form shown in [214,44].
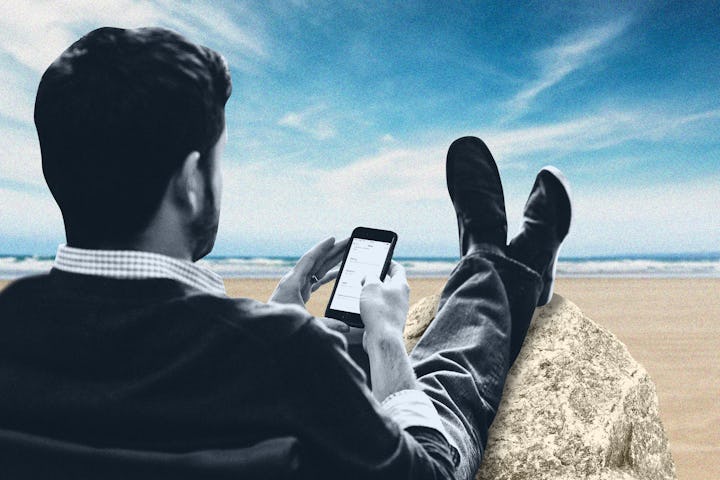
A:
[671,326]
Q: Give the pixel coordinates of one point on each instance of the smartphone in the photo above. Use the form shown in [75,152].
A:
[369,252]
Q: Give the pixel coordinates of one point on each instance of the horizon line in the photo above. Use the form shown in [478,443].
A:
[638,256]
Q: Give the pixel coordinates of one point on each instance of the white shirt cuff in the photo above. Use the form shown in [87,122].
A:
[413,408]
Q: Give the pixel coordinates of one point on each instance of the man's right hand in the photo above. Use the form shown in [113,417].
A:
[384,305]
[383,308]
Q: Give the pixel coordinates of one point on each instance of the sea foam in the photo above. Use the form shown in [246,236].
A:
[706,265]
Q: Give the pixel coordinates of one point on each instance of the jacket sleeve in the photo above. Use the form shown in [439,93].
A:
[343,430]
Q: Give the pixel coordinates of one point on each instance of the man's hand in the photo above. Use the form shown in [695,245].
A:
[384,306]
[295,287]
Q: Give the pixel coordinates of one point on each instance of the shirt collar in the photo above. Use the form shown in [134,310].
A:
[136,265]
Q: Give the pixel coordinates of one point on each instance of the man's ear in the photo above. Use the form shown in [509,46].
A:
[187,184]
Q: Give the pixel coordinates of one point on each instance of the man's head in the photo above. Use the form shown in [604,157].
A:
[124,117]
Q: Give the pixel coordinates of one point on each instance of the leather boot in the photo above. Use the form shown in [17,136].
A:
[547,217]
[473,182]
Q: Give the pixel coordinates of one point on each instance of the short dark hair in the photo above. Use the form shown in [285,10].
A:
[116,115]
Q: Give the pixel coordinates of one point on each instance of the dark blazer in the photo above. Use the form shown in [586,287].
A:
[152,378]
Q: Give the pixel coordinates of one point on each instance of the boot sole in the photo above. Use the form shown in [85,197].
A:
[549,278]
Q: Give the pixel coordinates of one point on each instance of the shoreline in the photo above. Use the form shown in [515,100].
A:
[678,265]
[670,325]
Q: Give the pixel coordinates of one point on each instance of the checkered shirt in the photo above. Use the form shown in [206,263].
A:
[135,265]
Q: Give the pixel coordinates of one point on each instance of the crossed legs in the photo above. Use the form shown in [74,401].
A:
[463,357]
[485,309]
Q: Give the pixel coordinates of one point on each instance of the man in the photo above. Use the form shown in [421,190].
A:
[128,360]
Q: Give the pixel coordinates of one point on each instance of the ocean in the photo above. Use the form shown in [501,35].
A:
[669,265]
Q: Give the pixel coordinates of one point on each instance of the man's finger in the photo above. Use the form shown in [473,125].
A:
[397,273]
[335,325]
[334,256]
[328,277]
[369,280]
[306,266]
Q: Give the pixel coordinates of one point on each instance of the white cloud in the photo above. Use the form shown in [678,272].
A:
[313,121]
[404,190]
[299,205]
[20,159]
[600,130]
[565,57]
[34,33]
[672,217]
[683,120]
[29,215]
[245,45]
[17,94]
[208,19]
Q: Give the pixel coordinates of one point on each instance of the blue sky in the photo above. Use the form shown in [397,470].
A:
[342,112]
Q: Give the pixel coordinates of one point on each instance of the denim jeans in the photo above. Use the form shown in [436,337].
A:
[463,357]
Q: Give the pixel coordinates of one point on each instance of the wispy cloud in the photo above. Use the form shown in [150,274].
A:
[239,37]
[658,218]
[17,94]
[404,189]
[602,129]
[313,121]
[418,173]
[369,149]
[404,186]
[305,204]
[35,33]
[20,158]
[401,186]
[565,57]
[30,215]
[695,117]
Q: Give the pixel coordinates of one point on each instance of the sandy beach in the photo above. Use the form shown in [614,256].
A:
[671,326]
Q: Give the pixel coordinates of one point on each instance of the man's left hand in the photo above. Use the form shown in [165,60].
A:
[312,271]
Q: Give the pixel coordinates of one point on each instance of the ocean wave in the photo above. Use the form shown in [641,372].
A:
[274,267]
[254,267]
[19,266]
[639,268]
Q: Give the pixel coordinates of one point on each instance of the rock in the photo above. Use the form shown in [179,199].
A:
[575,405]
[419,317]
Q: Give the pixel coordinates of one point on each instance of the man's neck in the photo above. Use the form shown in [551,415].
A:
[168,246]
[166,234]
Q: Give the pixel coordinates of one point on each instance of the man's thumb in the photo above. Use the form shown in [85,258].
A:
[369,280]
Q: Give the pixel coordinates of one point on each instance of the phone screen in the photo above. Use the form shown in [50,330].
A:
[365,257]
